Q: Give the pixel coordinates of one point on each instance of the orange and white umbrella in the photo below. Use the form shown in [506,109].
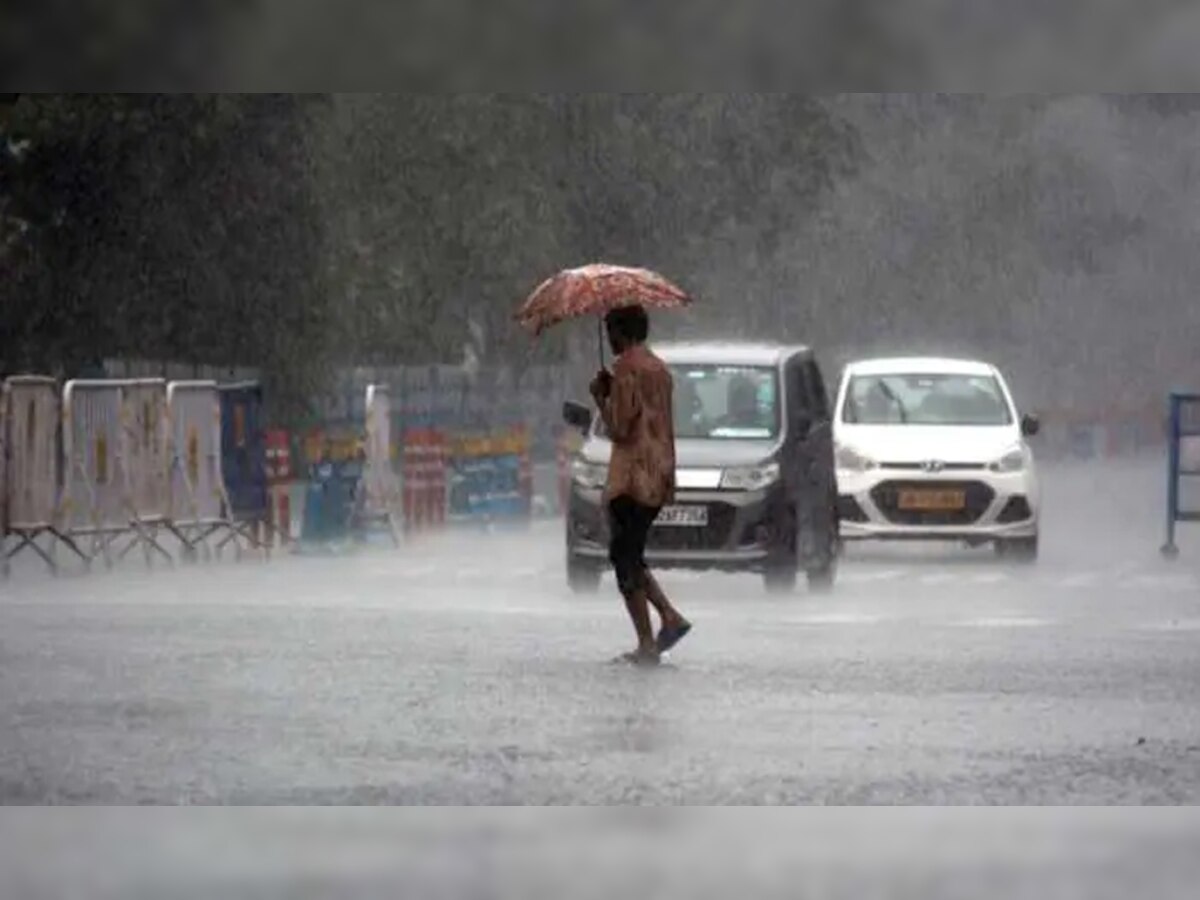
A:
[596,290]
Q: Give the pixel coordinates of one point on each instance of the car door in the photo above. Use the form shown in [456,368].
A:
[810,435]
[820,434]
[821,449]
[797,455]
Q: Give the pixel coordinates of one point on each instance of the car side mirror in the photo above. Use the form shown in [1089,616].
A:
[1030,425]
[577,415]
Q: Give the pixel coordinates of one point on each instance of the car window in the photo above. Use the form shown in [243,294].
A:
[926,399]
[723,402]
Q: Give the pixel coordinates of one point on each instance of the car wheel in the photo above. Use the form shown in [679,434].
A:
[1023,550]
[582,577]
[780,578]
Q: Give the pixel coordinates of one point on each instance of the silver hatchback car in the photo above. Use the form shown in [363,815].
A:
[756,488]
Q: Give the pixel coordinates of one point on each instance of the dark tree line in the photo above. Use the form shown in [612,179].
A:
[183,228]
[301,232]
[305,233]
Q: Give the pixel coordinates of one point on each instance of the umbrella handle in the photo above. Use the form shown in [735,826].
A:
[600,339]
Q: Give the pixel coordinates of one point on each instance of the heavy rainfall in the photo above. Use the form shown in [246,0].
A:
[292,513]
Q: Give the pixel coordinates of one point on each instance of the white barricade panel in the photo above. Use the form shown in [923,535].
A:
[31,406]
[382,486]
[1189,455]
[379,423]
[95,476]
[195,452]
[144,416]
[381,481]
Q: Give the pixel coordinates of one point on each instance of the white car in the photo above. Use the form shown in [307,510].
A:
[934,449]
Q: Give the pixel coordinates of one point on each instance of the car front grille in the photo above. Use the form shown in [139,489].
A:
[979,497]
[713,536]
[849,510]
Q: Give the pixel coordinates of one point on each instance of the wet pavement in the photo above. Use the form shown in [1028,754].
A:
[460,670]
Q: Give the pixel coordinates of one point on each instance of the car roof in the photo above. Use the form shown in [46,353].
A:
[919,365]
[730,353]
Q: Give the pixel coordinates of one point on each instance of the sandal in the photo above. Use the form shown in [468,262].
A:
[669,637]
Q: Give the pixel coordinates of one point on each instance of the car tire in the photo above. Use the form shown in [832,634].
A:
[1021,550]
[582,577]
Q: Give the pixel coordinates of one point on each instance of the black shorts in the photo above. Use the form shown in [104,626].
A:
[629,527]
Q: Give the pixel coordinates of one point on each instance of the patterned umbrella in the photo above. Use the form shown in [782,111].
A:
[596,289]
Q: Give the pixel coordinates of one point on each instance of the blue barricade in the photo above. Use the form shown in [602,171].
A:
[505,500]
[330,502]
[243,450]
[1081,441]
[486,488]
[1183,465]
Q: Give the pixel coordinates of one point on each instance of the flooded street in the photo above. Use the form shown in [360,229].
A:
[460,670]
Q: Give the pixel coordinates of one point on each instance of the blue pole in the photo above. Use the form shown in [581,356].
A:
[1170,550]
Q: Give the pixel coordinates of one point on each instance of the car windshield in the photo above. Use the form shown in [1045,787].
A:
[925,399]
[723,402]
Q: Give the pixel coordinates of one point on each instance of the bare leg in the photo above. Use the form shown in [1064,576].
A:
[629,526]
[639,613]
[669,615]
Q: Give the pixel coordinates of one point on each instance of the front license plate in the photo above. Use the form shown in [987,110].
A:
[932,500]
[687,516]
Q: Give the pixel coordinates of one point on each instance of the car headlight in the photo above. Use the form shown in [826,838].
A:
[849,459]
[1011,461]
[750,478]
[588,474]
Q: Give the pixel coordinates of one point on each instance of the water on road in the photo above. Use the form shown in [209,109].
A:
[460,669]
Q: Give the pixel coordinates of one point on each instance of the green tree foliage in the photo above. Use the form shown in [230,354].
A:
[444,210]
[171,227]
[298,233]
[451,208]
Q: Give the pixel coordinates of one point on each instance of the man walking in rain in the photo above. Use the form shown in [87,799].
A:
[635,403]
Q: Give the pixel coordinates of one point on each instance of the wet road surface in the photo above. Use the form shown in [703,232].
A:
[460,670]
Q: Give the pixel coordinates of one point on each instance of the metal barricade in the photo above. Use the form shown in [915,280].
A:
[489,481]
[379,488]
[524,443]
[410,457]
[199,504]
[280,474]
[426,488]
[144,416]
[1183,466]
[438,478]
[509,501]
[96,500]
[114,476]
[469,474]
[244,460]
[30,424]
